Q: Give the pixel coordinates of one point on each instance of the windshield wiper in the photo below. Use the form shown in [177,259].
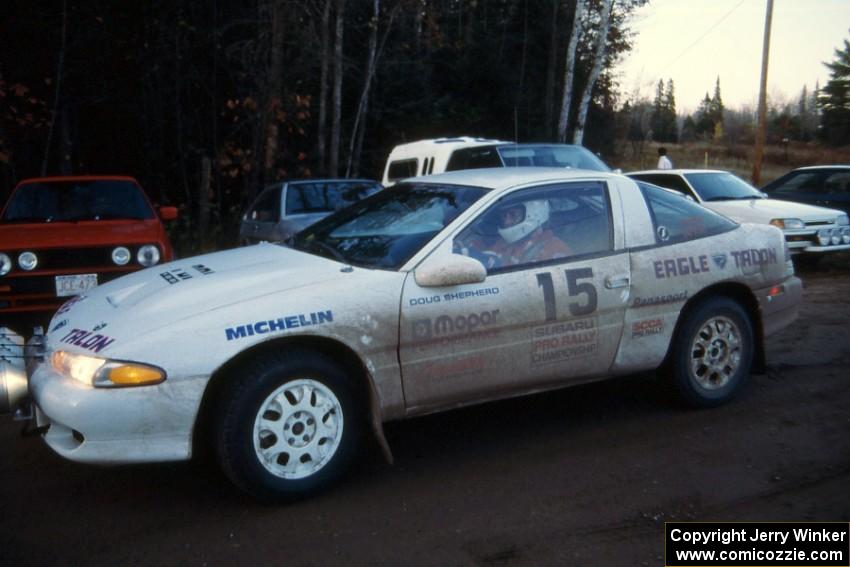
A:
[337,255]
[720,198]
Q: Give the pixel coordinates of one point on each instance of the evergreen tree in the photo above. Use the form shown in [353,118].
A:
[834,99]
[716,110]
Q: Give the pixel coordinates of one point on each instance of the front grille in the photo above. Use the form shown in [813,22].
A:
[73,258]
[815,224]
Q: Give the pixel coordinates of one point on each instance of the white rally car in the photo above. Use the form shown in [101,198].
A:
[281,357]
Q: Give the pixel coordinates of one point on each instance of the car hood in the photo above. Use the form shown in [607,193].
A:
[156,298]
[83,233]
[764,210]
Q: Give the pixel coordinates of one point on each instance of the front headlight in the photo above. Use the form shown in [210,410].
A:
[5,264]
[120,256]
[103,373]
[148,255]
[27,261]
[842,220]
[824,236]
[793,224]
[845,235]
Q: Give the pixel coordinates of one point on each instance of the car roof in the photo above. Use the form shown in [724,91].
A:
[816,167]
[64,178]
[505,177]
[679,171]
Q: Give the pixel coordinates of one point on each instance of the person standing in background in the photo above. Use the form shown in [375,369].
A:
[663,161]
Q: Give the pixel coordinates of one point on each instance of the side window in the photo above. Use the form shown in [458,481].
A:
[673,182]
[838,183]
[678,219]
[344,194]
[402,169]
[800,182]
[267,206]
[474,158]
[540,225]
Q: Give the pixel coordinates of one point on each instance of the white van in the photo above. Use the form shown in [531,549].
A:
[426,157]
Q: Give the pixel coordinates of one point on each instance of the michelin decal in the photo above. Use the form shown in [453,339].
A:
[280,324]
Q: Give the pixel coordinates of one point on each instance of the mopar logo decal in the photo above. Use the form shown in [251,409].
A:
[719,260]
[279,324]
[424,329]
[87,340]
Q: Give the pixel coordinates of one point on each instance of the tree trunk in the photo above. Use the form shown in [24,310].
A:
[356,143]
[333,168]
[322,134]
[569,71]
[204,201]
[275,86]
[549,100]
[598,59]
[60,63]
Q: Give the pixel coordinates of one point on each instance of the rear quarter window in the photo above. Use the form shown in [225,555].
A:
[678,219]
[402,169]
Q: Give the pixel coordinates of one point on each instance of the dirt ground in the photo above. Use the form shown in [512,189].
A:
[584,476]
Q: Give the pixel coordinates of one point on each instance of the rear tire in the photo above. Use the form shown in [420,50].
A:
[289,423]
[712,353]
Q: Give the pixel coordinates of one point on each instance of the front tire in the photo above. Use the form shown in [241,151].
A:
[289,424]
[712,353]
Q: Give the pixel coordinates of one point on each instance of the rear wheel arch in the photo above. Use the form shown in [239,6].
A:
[337,351]
[742,295]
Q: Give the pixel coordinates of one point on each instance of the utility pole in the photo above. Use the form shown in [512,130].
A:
[762,126]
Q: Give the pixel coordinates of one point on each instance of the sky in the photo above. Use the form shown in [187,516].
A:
[695,41]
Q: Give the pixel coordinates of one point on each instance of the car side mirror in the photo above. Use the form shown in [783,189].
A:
[452,270]
[168,213]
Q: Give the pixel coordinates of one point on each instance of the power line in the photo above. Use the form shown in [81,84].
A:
[700,38]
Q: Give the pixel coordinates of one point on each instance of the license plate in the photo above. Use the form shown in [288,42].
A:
[74,285]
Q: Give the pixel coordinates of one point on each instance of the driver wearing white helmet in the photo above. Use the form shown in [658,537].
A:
[523,237]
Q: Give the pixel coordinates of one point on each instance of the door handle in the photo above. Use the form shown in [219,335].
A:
[614,282]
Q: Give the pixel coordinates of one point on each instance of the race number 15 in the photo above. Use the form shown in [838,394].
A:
[575,288]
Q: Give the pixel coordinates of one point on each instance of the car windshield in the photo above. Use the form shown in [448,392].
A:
[68,201]
[551,155]
[388,228]
[721,186]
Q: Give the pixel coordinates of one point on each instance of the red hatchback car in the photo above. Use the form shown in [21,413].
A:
[60,236]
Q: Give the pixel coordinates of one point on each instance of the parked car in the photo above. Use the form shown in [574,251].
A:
[808,229]
[429,157]
[282,209]
[280,357]
[61,236]
[823,185]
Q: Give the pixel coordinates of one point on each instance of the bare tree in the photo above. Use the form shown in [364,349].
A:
[358,133]
[321,135]
[598,59]
[569,71]
[275,88]
[333,166]
[550,68]
[59,71]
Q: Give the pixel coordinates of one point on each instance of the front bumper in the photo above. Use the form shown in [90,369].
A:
[116,425]
[779,310]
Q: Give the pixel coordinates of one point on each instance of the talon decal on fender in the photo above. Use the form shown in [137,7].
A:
[87,340]
[754,257]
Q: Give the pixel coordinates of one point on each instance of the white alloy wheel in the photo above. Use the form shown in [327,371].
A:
[298,429]
[716,353]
